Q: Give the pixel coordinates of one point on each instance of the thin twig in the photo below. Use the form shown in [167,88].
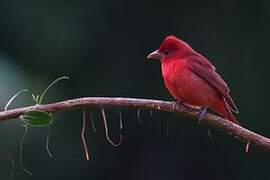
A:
[146,104]
[50,85]
[13,97]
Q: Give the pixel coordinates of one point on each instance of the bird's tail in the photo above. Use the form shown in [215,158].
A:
[232,118]
[227,113]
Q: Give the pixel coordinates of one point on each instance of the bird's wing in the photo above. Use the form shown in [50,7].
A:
[205,70]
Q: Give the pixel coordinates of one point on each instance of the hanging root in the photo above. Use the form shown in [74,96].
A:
[106,130]
[82,135]
[92,121]
[8,157]
[120,119]
[48,141]
[247,146]
[151,112]
[139,116]
[21,151]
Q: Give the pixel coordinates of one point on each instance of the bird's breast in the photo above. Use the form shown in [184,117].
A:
[186,86]
[173,73]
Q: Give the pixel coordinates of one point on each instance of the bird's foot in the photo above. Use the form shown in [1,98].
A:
[202,113]
[177,104]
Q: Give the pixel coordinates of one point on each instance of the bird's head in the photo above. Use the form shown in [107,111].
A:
[170,47]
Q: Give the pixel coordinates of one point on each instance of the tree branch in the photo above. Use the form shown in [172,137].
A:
[131,103]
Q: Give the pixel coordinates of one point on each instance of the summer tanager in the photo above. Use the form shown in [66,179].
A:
[192,79]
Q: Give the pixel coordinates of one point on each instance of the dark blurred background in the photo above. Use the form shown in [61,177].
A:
[102,46]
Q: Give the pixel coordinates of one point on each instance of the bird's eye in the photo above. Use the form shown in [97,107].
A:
[166,52]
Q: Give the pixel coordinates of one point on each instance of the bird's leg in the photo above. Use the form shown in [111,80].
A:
[202,113]
[177,104]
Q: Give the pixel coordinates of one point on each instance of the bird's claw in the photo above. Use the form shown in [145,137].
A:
[202,113]
[177,104]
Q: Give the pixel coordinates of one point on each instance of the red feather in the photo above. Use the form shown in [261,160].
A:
[198,66]
[191,78]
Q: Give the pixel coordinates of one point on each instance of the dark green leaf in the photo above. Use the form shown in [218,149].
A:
[37,118]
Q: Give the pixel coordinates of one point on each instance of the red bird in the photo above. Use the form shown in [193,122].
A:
[192,79]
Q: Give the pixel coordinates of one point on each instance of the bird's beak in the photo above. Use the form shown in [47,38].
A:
[154,55]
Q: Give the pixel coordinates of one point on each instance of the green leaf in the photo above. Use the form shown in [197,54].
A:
[37,118]
[34,97]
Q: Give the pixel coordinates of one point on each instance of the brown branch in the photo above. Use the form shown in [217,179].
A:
[117,102]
